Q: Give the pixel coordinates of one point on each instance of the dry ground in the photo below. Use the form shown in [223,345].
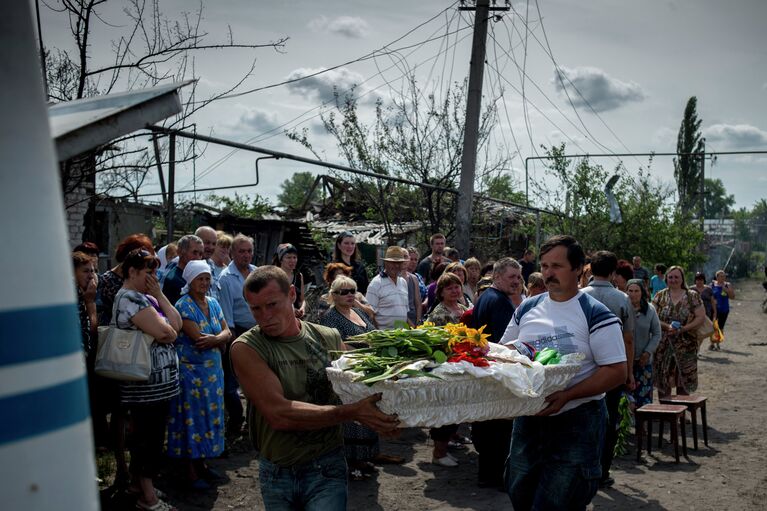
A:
[729,474]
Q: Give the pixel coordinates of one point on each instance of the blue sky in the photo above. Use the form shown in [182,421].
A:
[635,63]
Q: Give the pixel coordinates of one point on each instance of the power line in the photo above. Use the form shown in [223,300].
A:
[261,137]
[367,56]
[278,129]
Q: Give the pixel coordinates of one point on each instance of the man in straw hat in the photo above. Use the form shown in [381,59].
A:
[387,293]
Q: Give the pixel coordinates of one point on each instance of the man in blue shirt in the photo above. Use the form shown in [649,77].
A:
[494,309]
[238,316]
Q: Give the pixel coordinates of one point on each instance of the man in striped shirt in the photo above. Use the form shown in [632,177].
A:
[554,460]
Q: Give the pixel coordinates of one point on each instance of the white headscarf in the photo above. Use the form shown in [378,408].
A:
[163,259]
[192,270]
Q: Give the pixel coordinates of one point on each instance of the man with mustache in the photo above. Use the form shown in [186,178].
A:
[554,459]
[494,309]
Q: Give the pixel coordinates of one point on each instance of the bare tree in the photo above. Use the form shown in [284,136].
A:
[149,50]
[416,136]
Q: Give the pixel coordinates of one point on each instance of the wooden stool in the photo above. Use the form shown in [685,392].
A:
[674,414]
[692,403]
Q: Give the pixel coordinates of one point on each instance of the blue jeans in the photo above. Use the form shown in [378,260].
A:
[554,462]
[319,485]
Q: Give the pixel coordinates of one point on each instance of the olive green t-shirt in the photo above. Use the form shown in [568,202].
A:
[299,363]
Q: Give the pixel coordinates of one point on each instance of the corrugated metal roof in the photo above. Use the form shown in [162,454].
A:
[84,124]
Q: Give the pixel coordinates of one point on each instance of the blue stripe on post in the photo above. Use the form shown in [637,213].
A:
[28,335]
[43,411]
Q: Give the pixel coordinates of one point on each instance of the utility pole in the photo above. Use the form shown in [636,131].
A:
[471,129]
[703,185]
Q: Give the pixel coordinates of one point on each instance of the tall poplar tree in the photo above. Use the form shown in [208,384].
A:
[687,168]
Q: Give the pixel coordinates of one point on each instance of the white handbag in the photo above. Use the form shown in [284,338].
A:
[123,354]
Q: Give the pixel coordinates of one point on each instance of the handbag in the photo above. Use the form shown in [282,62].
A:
[123,354]
[705,330]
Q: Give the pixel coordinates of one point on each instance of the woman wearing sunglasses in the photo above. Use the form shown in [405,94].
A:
[360,443]
[140,305]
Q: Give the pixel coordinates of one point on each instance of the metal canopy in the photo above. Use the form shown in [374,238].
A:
[84,124]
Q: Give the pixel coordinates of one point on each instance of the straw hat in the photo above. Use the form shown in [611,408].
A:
[394,254]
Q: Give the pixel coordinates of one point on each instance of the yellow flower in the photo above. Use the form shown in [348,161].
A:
[425,324]
[208,363]
[186,405]
[212,378]
[209,435]
[197,382]
[195,393]
[216,421]
[189,422]
[197,438]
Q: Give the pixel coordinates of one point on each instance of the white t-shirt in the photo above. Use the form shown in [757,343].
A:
[389,301]
[579,325]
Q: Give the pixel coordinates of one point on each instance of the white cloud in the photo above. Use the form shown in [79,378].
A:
[346,26]
[736,135]
[325,84]
[255,121]
[596,88]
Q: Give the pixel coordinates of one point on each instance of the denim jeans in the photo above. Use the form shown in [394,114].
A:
[319,485]
[554,462]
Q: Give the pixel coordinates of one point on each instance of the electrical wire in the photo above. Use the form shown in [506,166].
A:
[280,128]
[367,56]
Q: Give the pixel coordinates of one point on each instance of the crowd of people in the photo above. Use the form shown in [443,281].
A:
[223,328]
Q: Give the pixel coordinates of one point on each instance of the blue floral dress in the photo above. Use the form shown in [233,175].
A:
[196,424]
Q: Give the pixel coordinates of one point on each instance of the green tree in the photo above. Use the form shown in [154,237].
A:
[687,168]
[652,226]
[243,206]
[717,203]
[295,189]
[501,186]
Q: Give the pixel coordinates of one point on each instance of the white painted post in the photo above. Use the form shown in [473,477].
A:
[46,446]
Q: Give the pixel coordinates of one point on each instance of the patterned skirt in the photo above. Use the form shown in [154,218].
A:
[643,378]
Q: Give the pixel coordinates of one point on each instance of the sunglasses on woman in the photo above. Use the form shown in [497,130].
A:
[344,292]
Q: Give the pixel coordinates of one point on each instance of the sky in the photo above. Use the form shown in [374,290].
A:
[627,68]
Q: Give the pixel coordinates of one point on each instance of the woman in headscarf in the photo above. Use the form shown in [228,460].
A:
[196,426]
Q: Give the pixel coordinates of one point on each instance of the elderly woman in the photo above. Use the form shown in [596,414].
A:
[680,312]
[646,338]
[287,259]
[346,252]
[140,305]
[196,425]
[448,310]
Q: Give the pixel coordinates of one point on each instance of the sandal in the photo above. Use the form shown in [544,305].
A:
[160,505]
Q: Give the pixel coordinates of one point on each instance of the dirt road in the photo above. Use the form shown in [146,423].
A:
[729,474]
